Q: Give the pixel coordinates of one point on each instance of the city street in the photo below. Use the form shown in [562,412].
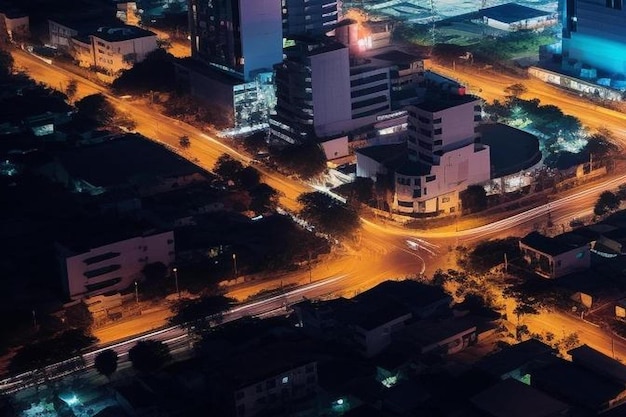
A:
[384,250]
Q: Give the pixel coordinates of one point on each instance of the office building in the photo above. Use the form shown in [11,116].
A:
[309,17]
[594,40]
[240,37]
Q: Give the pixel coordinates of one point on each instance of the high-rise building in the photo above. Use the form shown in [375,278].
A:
[242,37]
[594,37]
[309,17]
[312,90]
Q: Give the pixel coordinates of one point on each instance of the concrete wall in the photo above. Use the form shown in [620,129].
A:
[129,257]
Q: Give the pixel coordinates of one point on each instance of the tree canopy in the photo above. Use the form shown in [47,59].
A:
[155,73]
[149,355]
[106,362]
[607,202]
[328,215]
[201,312]
[474,198]
[307,160]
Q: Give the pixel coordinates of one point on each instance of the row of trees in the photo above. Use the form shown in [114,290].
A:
[564,139]
[146,356]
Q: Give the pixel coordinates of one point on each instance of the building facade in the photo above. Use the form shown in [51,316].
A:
[552,257]
[309,17]
[291,385]
[112,267]
[594,36]
[445,155]
[241,37]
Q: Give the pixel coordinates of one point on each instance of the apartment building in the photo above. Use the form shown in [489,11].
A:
[93,265]
[113,49]
[444,156]
[309,17]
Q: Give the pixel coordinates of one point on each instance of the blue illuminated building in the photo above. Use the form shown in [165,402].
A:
[594,37]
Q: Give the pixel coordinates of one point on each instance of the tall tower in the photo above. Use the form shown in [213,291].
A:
[241,37]
[309,17]
[594,36]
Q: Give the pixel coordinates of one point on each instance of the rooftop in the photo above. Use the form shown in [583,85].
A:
[511,13]
[511,149]
[435,103]
[121,33]
[117,162]
[577,384]
[512,398]
[406,292]
[514,357]
[549,245]
[398,57]
[599,363]
[383,153]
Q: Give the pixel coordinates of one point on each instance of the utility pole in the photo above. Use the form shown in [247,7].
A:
[176,280]
[310,272]
[235,264]
[136,293]
[506,264]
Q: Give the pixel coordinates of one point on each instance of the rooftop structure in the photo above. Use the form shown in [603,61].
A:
[511,398]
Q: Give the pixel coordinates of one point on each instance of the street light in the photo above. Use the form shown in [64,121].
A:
[176,280]
[136,293]
[235,264]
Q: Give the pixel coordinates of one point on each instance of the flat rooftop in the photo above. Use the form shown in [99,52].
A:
[437,103]
[512,13]
[129,160]
[511,150]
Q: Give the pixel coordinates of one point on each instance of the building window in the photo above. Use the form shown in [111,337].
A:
[445,199]
[285,379]
[405,204]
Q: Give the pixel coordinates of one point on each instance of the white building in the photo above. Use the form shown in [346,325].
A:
[444,155]
[512,17]
[114,266]
[113,49]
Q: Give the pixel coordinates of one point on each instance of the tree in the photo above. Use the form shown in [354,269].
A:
[198,314]
[264,198]
[307,160]
[184,141]
[106,362]
[70,89]
[328,215]
[247,177]
[515,90]
[155,73]
[601,144]
[488,254]
[149,355]
[474,198]
[96,109]
[227,167]
[607,202]
[6,64]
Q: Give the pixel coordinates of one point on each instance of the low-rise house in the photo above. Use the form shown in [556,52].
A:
[512,398]
[113,49]
[553,257]
[269,380]
[581,386]
[370,319]
[517,361]
[444,337]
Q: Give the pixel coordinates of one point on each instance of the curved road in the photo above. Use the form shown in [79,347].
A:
[383,251]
